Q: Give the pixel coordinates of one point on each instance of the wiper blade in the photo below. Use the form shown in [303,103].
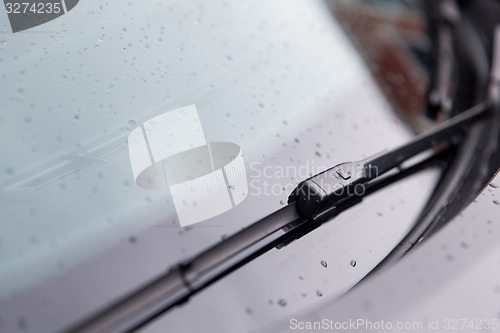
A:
[314,201]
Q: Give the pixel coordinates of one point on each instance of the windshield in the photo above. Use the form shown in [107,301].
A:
[281,80]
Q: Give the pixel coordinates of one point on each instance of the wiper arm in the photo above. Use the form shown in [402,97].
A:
[314,201]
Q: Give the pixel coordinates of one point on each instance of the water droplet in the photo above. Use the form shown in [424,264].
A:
[353,263]
[282,202]
[319,293]
[282,302]
[4,42]
[493,185]
[260,105]
[324,263]
[231,187]
[132,122]
[22,324]
[496,202]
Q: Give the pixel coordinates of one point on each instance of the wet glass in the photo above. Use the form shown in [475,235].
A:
[298,86]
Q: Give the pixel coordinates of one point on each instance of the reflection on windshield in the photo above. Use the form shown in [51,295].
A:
[392,37]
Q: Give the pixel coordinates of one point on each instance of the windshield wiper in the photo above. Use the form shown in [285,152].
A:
[315,200]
